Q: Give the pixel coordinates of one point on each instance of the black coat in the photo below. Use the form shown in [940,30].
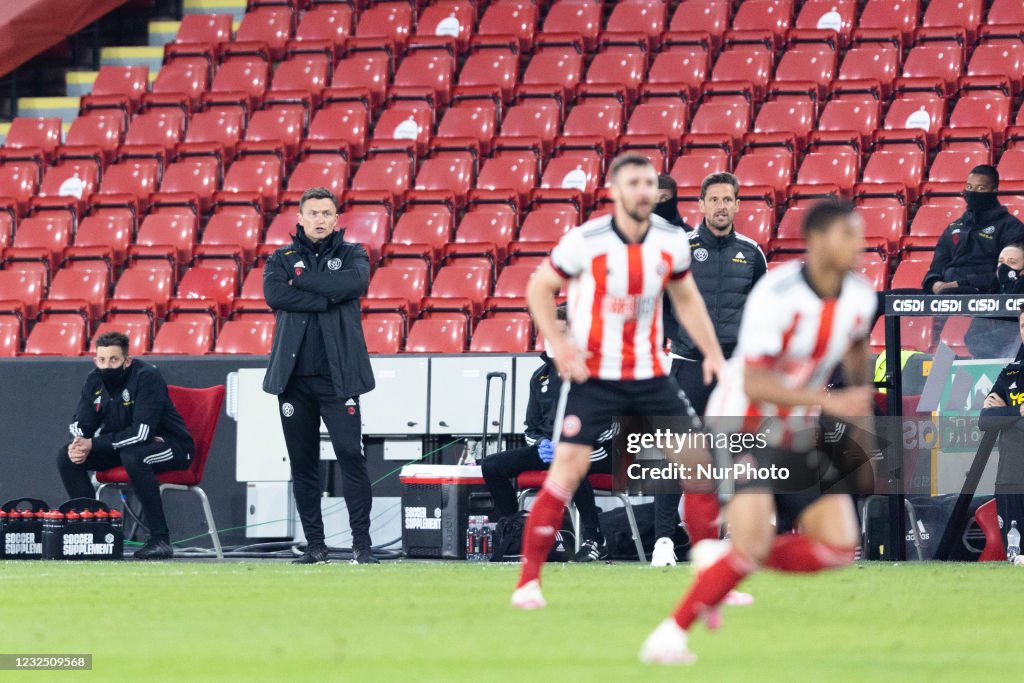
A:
[135,414]
[542,407]
[725,270]
[1010,473]
[968,249]
[327,285]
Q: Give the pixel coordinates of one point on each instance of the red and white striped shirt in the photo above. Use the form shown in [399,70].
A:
[788,328]
[615,294]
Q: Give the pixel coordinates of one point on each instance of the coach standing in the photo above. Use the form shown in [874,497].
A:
[319,365]
[725,266]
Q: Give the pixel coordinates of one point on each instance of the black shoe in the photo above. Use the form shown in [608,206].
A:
[363,556]
[591,551]
[315,554]
[155,549]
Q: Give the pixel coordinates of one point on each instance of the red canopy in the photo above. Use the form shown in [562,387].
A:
[29,27]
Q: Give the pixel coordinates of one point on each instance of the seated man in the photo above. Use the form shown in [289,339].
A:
[125,417]
[499,469]
[1004,410]
[998,337]
[965,257]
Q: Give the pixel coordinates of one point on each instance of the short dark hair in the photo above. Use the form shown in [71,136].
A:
[627,159]
[722,178]
[988,171]
[823,214]
[318,193]
[562,312]
[113,339]
[666,182]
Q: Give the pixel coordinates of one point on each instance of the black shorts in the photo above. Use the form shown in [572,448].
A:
[594,405]
[808,475]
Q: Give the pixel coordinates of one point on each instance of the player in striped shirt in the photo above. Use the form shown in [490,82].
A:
[617,268]
[799,323]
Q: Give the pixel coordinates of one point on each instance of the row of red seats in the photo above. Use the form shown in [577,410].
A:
[398,21]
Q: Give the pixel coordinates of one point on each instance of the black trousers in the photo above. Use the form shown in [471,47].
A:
[500,469]
[305,400]
[690,377]
[142,461]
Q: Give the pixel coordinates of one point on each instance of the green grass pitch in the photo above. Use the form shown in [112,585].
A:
[417,621]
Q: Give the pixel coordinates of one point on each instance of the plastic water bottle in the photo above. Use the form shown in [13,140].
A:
[478,539]
[470,538]
[1012,542]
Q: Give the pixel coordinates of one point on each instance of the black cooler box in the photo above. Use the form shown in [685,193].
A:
[437,501]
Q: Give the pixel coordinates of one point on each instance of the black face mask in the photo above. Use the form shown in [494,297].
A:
[1007,276]
[114,378]
[980,202]
[667,210]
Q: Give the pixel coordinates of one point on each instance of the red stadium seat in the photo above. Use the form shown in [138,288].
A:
[18,181]
[41,237]
[595,119]
[424,68]
[101,130]
[507,173]
[128,82]
[211,283]
[193,175]
[910,274]
[820,167]
[161,127]
[808,64]
[722,118]
[513,281]
[326,22]
[904,167]
[183,338]
[386,20]
[572,173]
[690,169]
[436,336]
[204,28]
[1011,164]
[982,112]
[575,16]
[710,16]
[255,174]
[660,118]
[546,224]
[347,122]
[764,15]
[282,125]
[174,235]
[231,230]
[490,67]
[303,73]
[752,66]
[245,337]
[555,67]
[189,77]
[646,17]
[884,14]
[10,337]
[954,165]
[618,67]
[370,70]
[53,338]
[966,14]
[220,127]
[515,18]
[137,332]
[926,114]
[501,335]
[387,174]
[320,170]
[765,167]
[1004,12]
[944,61]
[25,287]
[399,286]
[487,227]
[42,134]
[829,15]
[405,124]
[532,120]
[134,177]
[684,65]
[424,226]
[85,286]
[367,224]
[859,115]
[270,25]
[467,283]
[242,76]
[454,18]
[140,284]
[786,116]
[870,62]
[383,333]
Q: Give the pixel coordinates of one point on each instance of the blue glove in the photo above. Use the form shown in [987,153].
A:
[546,450]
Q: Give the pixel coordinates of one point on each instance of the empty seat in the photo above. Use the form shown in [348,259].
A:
[387,174]
[211,283]
[142,284]
[618,68]
[101,130]
[405,124]
[85,286]
[685,66]
[427,69]
[383,333]
[173,235]
[56,338]
[858,115]
[24,287]
[501,335]
[764,15]
[189,77]
[399,285]
[43,237]
[128,82]
[183,338]
[193,175]
[245,337]
[204,28]
[965,14]
[944,61]
[885,14]
[159,127]
[952,165]
[575,16]
[554,67]
[226,230]
[41,133]
[829,15]
[329,22]
[270,25]
[349,123]
[786,116]
[246,76]
[280,125]
[905,168]
[808,64]
[436,336]
[10,337]
[303,73]
[370,70]
[320,170]
[829,167]
[491,67]
[910,274]
[752,66]
[472,283]
[256,174]
[872,63]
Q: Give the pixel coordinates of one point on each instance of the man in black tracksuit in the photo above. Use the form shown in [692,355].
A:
[1004,410]
[125,417]
[725,266]
[966,255]
[319,365]
[500,469]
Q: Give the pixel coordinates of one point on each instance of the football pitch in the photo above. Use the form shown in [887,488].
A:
[418,621]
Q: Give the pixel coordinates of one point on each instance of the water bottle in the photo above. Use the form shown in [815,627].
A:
[478,534]
[486,538]
[470,536]
[1012,542]
[115,519]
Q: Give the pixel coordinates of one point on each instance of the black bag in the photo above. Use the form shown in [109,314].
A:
[508,540]
[615,527]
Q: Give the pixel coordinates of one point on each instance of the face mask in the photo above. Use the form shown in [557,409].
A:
[980,202]
[667,210]
[1007,275]
[114,378]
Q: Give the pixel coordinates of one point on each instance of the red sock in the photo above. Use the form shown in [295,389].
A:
[712,584]
[796,553]
[700,516]
[538,537]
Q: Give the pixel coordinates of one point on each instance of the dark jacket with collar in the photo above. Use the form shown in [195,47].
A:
[1009,386]
[725,270]
[542,407]
[138,412]
[969,248]
[327,280]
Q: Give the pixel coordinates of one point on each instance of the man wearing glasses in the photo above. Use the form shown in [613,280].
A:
[319,365]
